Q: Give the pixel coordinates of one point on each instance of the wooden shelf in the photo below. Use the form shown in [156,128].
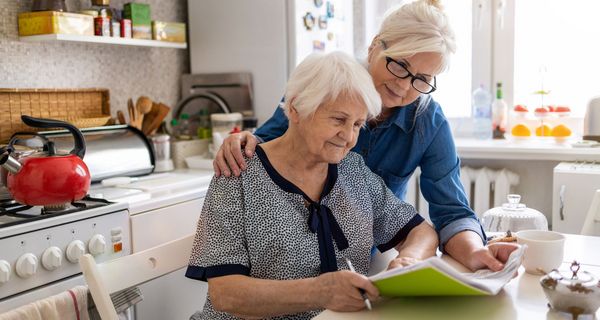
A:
[106,40]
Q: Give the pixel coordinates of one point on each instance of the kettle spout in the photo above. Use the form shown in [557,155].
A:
[9,163]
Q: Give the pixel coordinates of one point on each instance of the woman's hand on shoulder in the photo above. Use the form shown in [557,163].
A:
[400,262]
[229,157]
[339,291]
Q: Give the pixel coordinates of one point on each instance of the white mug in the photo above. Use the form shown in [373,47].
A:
[545,250]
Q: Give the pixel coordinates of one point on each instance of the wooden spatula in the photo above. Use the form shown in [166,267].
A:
[162,112]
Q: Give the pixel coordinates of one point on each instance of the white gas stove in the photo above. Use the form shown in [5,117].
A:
[40,249]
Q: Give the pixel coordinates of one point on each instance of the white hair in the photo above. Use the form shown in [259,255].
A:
[419,26]
[322,78]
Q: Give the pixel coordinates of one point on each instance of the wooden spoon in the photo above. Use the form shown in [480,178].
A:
[143,106]
[121,117]
[132,114]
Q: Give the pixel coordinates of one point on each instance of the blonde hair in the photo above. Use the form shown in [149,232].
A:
[322,78]
[419,26]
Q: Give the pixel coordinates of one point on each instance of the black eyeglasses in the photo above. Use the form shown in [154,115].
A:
[399,70]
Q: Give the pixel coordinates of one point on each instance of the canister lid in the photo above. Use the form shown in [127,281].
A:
[100,2]
[235,116]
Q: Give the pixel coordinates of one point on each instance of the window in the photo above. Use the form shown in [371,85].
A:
[556,48]
[454,86]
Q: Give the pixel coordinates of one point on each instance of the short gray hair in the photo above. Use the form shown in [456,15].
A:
[322,78]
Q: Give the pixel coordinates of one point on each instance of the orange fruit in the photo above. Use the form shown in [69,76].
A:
[520,130]
[561,131]
[543,131]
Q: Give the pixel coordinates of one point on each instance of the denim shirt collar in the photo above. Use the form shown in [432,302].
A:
[402,117]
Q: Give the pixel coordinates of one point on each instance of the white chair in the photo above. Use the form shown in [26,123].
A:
[128,271]
[591,224]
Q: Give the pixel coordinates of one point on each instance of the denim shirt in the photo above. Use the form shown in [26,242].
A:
[396,147]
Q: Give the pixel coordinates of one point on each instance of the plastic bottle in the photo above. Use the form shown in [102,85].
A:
[204,127]
[174,128]
[499,114]
[482,113]
[184,127]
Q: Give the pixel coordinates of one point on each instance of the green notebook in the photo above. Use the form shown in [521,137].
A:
[435,277]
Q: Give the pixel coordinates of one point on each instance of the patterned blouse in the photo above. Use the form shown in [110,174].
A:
[263,226]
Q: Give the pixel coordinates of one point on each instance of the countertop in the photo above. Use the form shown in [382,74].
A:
[166,189]
[525,149]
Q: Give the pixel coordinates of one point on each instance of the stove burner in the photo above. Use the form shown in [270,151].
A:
[12,213]
[54,208]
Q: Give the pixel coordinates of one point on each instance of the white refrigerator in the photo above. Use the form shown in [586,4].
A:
[267,38]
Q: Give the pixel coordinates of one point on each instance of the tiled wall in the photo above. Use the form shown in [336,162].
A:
[127,71]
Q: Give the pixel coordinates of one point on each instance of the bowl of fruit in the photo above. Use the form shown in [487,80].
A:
[520,111]
[562,111]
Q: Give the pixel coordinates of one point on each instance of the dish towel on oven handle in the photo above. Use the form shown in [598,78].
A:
[71,304]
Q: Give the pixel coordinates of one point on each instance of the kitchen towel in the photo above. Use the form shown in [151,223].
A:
[71,304]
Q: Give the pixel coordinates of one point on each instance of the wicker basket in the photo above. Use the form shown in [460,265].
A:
[83,108]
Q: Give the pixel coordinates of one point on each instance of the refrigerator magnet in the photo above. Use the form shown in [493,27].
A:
[330,9]
[330,36]
[318,45]
[318,3]
[309,21]
[323,22]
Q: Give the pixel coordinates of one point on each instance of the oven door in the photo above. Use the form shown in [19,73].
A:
[172,296]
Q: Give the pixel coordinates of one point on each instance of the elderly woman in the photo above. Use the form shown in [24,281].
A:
[274,241]
[413,46]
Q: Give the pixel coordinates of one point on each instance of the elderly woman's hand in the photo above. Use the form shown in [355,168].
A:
[402,262]
[339,291]
[229,157]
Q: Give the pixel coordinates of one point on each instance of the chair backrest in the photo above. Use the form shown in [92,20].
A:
[128,271]
[591,224]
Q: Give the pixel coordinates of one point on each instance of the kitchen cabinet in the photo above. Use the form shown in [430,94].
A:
[103,40]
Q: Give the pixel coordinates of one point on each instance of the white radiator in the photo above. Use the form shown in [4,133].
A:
[485,188]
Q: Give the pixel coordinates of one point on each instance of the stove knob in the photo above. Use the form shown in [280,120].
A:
[75,250]
[52,258]
[27,265]
[4,271]
[97,244]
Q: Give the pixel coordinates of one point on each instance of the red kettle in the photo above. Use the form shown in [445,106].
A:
[47,178]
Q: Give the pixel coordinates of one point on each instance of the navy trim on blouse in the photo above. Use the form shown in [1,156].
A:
[320,220]
[287,186]
[402,234]
[203,273]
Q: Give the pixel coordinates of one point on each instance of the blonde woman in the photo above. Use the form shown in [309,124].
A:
[274,241]
[413,46]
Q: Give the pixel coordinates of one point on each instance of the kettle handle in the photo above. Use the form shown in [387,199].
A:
[79,142]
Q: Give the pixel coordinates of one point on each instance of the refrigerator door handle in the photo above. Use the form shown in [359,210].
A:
[561,197]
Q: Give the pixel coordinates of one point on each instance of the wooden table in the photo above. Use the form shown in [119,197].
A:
[521,298]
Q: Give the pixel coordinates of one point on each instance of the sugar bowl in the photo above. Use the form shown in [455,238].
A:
[576,294]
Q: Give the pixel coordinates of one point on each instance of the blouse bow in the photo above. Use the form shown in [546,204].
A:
[322,221]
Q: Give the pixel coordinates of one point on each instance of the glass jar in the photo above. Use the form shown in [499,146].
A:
[513,216]
[222,125]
